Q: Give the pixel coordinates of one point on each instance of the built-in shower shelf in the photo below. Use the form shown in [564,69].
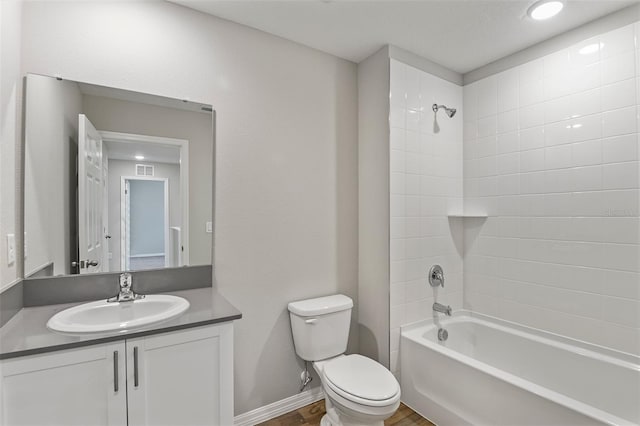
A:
[467,216]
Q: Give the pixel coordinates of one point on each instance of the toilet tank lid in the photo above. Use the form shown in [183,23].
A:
[321,305]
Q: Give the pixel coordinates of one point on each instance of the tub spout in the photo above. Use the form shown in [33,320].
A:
[442,309]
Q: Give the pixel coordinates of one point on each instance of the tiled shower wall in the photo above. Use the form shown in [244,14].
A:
[425,185]
[551,155]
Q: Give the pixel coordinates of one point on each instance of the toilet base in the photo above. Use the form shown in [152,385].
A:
[326,421]
[333,418]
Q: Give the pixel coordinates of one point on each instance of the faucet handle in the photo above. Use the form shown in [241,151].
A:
[436,276]
[126,293]
[125,280]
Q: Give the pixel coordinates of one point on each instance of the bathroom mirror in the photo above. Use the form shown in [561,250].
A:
[114,180]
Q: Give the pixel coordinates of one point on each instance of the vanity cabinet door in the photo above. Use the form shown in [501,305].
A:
[84,386]
[181,378]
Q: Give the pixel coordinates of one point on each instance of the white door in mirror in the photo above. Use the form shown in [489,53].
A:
[103,316]
[90,197]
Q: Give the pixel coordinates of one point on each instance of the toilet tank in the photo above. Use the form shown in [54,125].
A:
[320,326]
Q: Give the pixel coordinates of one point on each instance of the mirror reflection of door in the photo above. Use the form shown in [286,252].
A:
[145,223]
[90,197]
[133,187]
[105,209]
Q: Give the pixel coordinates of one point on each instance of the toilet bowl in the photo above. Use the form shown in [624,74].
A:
[358,390]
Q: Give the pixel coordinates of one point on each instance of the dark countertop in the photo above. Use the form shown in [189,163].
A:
[27,333]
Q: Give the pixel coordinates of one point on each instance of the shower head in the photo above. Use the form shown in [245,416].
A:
[449,111]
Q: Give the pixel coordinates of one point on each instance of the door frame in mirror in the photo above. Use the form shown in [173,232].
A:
[183,145]
[124,235]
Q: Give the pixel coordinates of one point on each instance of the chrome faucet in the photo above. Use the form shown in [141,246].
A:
[126,293]
[442,309]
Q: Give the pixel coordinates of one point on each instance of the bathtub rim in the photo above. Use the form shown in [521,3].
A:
[622,358]
[410,332]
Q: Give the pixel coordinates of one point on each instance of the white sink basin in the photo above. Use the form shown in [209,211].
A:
[102,316]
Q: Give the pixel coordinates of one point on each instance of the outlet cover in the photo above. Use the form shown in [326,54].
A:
[11,249]
[209,227]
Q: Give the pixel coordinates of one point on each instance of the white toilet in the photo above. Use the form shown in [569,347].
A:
[359,391]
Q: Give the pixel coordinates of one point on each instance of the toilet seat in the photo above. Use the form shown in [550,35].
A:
[361,380]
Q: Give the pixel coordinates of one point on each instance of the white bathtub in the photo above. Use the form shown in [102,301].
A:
[492,372]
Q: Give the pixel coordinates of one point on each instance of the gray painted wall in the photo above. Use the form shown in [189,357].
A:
[146,203]
[51,133]
[374,219]
[10,136]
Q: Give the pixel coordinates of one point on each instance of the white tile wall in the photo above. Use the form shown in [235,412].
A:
[551,152]
[426,185]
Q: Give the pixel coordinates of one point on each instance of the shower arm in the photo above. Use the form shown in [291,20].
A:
[450,111]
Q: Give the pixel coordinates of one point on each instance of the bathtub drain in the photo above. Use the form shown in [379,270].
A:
[442,334]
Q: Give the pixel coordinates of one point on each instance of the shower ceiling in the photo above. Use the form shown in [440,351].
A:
[460,35]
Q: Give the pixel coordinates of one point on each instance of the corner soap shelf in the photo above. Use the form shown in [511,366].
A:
[467,216]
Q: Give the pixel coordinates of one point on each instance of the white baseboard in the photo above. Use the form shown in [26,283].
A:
[268,412]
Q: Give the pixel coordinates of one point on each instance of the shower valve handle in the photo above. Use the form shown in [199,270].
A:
[436,276]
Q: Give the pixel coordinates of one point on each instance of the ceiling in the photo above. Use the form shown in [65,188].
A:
[152,152]
[461,35]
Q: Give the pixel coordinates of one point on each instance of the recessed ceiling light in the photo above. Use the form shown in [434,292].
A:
[139,157]
[545,9]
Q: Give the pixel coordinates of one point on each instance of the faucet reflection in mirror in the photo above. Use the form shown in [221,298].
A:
[114,180]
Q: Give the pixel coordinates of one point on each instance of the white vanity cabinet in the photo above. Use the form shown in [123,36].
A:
[84,386]
[71,387]
[178,378]
[182,378]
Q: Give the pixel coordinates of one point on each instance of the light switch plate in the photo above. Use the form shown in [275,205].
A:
[209,227]
[11,249]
